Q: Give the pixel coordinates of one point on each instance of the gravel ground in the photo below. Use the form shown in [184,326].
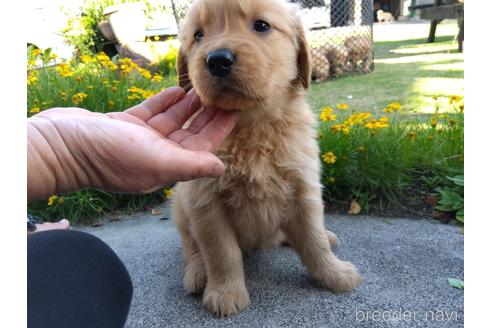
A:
[404,262]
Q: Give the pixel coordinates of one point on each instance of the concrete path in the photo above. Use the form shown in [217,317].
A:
[405,264]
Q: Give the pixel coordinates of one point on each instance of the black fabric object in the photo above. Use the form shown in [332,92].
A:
[75,280]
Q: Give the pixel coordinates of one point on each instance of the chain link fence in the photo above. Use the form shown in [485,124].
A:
[339,34]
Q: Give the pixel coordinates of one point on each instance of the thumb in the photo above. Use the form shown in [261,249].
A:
[188,165]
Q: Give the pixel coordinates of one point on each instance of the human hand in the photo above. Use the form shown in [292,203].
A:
[139,150]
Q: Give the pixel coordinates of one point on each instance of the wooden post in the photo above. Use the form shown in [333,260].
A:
[434,22]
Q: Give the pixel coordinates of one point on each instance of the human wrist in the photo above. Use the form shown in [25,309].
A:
[52,168]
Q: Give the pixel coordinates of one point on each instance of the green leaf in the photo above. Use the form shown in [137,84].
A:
[460,215]
[456,283]
[458,180]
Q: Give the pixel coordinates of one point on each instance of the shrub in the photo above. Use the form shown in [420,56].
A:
[451,198]
[99,84]
[82,31]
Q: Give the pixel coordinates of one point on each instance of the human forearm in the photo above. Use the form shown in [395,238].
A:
[51,168]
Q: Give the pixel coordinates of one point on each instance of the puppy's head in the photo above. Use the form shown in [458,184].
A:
[242,54]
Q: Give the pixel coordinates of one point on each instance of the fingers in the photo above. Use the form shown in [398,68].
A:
[217,129]
[178,164]
[122,116]
[207,131]
[176,115]
[157,104]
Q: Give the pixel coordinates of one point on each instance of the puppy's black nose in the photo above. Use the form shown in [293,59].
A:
[220,62]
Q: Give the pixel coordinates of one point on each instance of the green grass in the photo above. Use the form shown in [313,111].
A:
[395,167]
[410,71]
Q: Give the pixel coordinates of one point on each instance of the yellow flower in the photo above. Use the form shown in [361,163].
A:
[113,89]
[343,106]
[331,180]
[320,135]
[168,192]
[361,149]
[90,87]
[52,200]
[156,38]
[357,118]
[145,73]
[63,95]
[147,94]
[133,97]
[36,52]
[78,78]
[411,135]
[396,106]
[31,62]
[87,59]
[388,110]
[61,200]
[102,57]
[64,70]
[454,99]
[110,104]
[32,77]
[340,128]
[35,110]
[326,114]
[329,157]
[384,122]
[433,122]
[157,78]
[53,56]
[79,97]
[135,90]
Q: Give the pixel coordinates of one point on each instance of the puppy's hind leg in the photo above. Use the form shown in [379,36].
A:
[195,277]
[307,235]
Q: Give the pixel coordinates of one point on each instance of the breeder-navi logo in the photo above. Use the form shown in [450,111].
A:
[405,315]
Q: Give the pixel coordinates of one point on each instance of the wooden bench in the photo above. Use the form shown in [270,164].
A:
[443,9]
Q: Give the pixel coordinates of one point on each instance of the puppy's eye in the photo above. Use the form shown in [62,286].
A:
[261,26]
[198,36]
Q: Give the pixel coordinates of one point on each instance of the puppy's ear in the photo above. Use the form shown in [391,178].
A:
[303,57]
[183,76]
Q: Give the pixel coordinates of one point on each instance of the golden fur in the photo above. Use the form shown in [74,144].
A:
[337,56]
[320,64]
[271,188]
[359,50]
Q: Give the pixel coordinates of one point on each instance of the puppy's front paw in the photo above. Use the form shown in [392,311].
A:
[195,278]
[225,300]
[342,276]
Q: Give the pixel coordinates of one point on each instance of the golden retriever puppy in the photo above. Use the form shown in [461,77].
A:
[252,56]
[337,55]
[320,65]
[359,50]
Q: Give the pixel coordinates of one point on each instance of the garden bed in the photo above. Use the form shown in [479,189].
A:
[389,139]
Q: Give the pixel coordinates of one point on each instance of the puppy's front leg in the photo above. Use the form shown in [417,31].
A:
[306,233]
[225,292]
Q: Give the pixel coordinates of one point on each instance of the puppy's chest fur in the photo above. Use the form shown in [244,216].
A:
[258,188]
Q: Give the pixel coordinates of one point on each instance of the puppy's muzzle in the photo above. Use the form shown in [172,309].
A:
[220,62]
